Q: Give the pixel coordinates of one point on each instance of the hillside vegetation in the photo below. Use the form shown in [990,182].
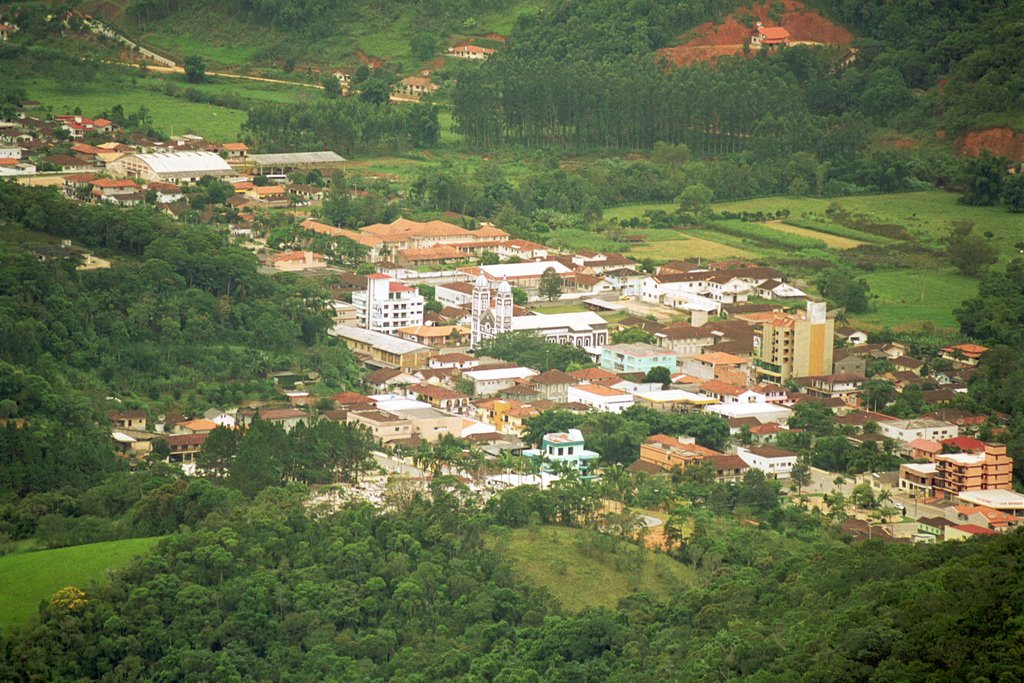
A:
[28,578]
[582,568]
[403,33]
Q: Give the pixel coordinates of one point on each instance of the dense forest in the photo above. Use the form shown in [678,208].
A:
[266,591]
[183,321]
[570,77]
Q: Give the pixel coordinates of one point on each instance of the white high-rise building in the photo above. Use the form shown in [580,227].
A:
[387,305]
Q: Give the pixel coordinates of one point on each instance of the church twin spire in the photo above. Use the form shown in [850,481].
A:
[487,324]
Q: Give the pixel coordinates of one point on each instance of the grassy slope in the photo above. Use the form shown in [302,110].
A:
[27,578]
[239,44]
[552,557]
[172,115]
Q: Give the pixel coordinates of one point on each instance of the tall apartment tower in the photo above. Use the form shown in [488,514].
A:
[790,346]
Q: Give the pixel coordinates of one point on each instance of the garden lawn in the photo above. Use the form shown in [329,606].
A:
[30,577]
[580,575]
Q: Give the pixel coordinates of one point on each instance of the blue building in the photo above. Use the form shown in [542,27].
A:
[565,448]
[637,358]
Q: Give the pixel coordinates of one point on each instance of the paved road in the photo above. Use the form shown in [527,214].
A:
[397,465]
[823,482]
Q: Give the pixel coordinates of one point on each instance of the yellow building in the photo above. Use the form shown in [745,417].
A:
[788,346]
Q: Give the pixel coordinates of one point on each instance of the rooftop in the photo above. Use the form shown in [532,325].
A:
[182,162]
[639,350]
[296,158]
[379,340]
[994,498]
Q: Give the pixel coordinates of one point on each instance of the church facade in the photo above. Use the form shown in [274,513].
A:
[584,329]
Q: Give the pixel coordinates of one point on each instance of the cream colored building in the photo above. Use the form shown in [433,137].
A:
[788,346]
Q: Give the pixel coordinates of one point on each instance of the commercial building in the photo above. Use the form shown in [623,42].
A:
[776,463]
[918,479]
[383,350]
[724,367]
[526,275]
[670,451]
[388,305]
[788,346]
[386,427]
[672,400]
[170,167]
[1004,500]
[906,431]
[487,382]
[636,358]
[565,449]
[280,164]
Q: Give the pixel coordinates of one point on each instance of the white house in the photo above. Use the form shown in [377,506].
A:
[922,428]
[487,382]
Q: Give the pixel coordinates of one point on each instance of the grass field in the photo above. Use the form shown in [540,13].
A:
[559,559]
[907,299]
[691,247]
[30,577]
[169,114]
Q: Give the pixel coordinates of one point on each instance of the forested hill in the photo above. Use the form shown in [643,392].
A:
[262,591]
[572,77]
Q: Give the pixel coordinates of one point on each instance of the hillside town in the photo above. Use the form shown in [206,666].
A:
[418,303]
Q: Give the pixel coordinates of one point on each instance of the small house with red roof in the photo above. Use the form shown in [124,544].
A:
[968,354]
[294,261]
[769,36]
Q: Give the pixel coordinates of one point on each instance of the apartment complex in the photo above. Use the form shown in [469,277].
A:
[958,472]
[388,305]
[788,346]
[636,358]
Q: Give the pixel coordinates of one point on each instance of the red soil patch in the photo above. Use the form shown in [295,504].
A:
[897,143]
[372,62]
[710,41]
[1003,142]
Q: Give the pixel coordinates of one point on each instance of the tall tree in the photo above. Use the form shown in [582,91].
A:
[550,284]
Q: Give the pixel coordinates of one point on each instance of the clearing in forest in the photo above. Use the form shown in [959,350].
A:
[583,568]
[28,578]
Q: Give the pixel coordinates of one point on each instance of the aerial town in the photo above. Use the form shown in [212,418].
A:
[524,341]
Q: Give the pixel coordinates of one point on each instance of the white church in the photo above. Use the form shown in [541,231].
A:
[585,329]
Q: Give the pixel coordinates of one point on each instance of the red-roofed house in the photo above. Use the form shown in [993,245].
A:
[769,36]
[293,261]
[962,532]
[968,354]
